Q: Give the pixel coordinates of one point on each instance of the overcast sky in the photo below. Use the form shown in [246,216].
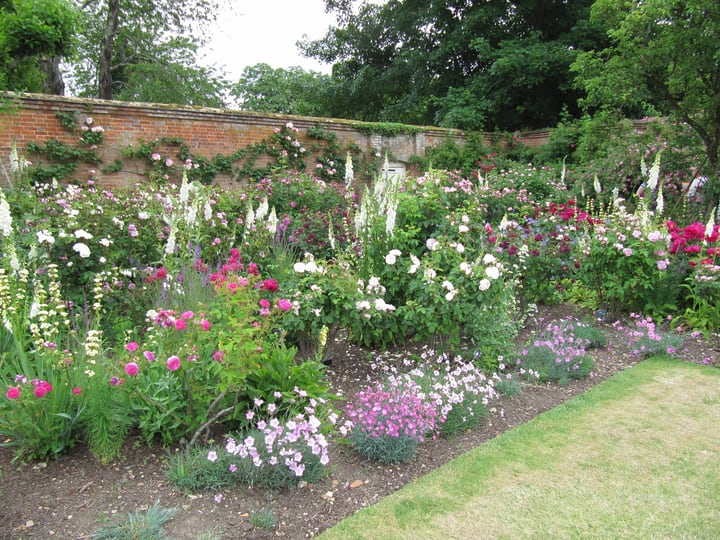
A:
[250,32]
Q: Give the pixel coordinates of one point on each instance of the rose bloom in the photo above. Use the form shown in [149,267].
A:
[264,303]
[13,392]
[149,356]
[284,304]
[131,368]
[173,363]
[42,389]
[180,324]
[187,315]
[270,285]
[76,390]
[132,346]
[205,324]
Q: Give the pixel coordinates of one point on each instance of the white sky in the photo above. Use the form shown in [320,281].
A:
[250,32]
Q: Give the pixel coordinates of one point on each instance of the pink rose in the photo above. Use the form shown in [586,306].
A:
[264,303]
[42,388]
[149,356]
[13,392]
[131,368]
[187,315]
[205,324]
[76,390]
[270,285]
[173,363]
[284,304]
[132,346]
[180,324]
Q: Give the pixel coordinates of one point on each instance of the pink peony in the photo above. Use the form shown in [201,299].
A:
[131,368]
[270,285]
[173,363]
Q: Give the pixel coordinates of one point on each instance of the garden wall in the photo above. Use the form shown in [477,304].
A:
[28,118]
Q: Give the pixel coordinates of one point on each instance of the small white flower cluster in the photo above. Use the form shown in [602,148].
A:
[373,288]
[492,271]
[308,266]
[392,256]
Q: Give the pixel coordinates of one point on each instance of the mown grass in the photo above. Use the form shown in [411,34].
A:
[635,457]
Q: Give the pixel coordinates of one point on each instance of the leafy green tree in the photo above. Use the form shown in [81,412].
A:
[284,91]
[492,65]
[145,50]
[664,56]
[34,37]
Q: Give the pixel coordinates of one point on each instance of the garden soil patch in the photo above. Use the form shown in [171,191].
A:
[72,496]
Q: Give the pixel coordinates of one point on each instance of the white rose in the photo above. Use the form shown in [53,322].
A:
[484,284]
[82,250]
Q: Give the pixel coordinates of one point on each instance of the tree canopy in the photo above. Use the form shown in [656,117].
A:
[284,91]
[146,50]
[490,65]
[34,36]
[664,56]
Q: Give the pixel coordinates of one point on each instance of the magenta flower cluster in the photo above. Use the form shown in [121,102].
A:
[398,411]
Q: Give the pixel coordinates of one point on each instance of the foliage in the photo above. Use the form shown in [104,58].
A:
[147,525]
[657,51]
[173,77]
[32,33]
[263,518]
[121,42]
[283,91]
[468,66]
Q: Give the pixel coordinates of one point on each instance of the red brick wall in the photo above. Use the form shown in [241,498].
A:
[208,132]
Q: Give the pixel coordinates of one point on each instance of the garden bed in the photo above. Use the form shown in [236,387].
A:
[71,496]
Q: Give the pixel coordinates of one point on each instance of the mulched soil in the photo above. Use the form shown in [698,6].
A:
[69,497]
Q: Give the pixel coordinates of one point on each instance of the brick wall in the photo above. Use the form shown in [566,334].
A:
[32,118]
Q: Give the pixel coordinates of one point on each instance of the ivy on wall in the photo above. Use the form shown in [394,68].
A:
[166,157]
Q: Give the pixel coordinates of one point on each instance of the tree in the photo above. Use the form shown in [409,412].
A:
[664,55]
[284,91]
[145,50]
[493,64]
[34,37]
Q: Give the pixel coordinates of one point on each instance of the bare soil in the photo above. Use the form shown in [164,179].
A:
[72,496]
